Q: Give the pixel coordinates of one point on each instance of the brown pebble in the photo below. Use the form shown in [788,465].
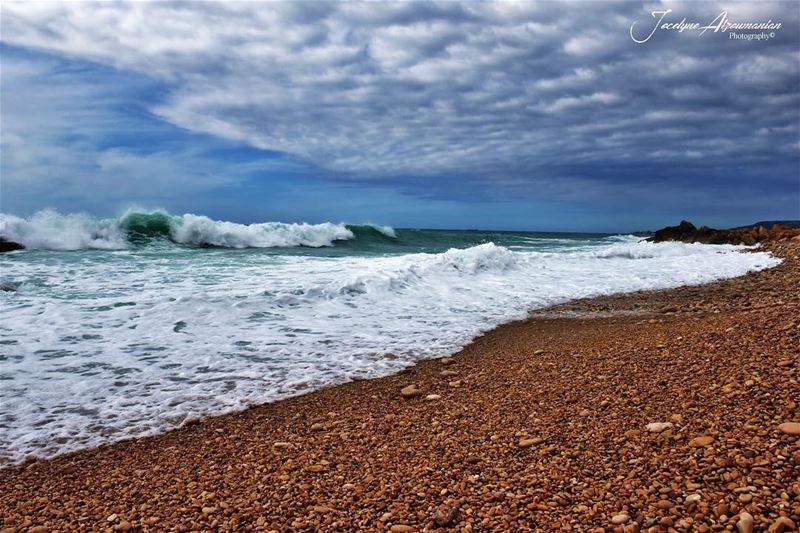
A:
[619,519]
[658,427]
[410,391]
[784,523]
[745,523]
[699,442]
[445,515]
[401,528]
[790,428]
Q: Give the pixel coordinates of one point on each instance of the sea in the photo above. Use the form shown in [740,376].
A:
[112,328]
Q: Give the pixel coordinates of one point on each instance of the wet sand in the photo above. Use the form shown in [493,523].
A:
[539,425]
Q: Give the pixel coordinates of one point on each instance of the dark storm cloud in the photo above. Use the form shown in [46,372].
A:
[468,99]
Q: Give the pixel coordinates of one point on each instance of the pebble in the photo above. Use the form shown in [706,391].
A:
[281,444]
[317,427]
[538,352]
[410,391]
[745,498]
[745,523]
[448,373]
[38,529]
[445,515]
[619,519]
[401,528]
[721,509]
[433,397]
[784,523]
[527,443]
[447,360]
[658,427]
[790,428]
[699,442]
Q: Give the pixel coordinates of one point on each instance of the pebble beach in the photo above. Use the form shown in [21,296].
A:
[673,411]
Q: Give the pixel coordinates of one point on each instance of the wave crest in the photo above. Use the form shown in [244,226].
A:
[50,230]
[202,231]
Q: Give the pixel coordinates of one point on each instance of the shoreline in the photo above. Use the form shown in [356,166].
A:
[527,413]
[550,311]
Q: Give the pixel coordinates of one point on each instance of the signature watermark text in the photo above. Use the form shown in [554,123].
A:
[736,30]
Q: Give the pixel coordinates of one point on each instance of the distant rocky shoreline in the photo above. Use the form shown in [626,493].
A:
[687,232]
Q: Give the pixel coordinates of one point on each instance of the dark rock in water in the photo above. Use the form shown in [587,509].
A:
[9,246]
[9,286]
[687,232]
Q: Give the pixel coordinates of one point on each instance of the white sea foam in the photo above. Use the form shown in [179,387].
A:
[132,343]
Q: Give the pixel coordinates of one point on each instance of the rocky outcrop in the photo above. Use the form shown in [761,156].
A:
[9,246]
[687,232]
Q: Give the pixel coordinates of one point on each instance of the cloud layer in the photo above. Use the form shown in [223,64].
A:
[531,99]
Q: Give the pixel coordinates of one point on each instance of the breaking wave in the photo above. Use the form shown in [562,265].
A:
[50,230]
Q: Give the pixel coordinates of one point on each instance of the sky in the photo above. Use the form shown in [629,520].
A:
[514,115]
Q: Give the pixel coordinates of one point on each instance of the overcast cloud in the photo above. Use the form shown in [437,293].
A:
[540,100]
